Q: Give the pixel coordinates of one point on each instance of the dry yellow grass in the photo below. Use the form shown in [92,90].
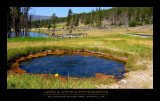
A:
[117,30]
[54,43]
[102,32]
[133,41]
[89,43]
[141,29]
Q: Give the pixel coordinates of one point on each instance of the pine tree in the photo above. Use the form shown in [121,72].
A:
[69,17]
[87,20]
[9,24]
[54,18]
[76,20]
[92,17]
[71,25]
[99,18]
[15,13]
[26,10]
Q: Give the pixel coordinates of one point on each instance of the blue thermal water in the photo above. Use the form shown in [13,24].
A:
[75,65]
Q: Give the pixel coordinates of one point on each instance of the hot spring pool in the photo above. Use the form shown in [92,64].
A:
[75,65]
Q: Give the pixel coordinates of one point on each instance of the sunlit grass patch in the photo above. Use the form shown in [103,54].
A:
[135,48]
[135,63]
[25,81]
[98,32]
[119,42]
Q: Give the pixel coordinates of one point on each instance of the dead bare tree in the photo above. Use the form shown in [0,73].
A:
[126,20]
[132,17]
[109,20]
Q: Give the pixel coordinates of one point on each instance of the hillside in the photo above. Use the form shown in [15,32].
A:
[37,17]
[117,16]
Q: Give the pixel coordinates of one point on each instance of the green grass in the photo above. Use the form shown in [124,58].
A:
[31,39]
[24,81]
[20,51]
[132,47]
[60,25]
[128,36]
[124,46]
[132,63]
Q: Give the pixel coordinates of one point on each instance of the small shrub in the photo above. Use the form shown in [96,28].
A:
[49,26]
[112,23]
[146,21]
[132,23]
[140,23]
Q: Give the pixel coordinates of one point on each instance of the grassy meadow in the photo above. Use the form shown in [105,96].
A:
[112,42]
[24,81]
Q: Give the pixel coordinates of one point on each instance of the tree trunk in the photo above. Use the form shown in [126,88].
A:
[126,20]
[13,20]
[70,28]
[26,21]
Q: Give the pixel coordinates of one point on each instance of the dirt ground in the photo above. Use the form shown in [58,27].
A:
[141,79]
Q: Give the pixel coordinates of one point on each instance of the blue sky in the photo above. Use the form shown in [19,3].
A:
[61,11]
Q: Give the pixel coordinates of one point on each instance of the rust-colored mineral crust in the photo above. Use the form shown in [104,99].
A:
[15,66]
[102,76]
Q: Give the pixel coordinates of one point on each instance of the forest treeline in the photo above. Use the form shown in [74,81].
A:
[20,21]
[117,16]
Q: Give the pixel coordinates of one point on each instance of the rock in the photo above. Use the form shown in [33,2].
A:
[126,75]
[115,86]
[123,81]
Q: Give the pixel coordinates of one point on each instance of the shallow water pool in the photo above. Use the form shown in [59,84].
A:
[75,65]
[31,34]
